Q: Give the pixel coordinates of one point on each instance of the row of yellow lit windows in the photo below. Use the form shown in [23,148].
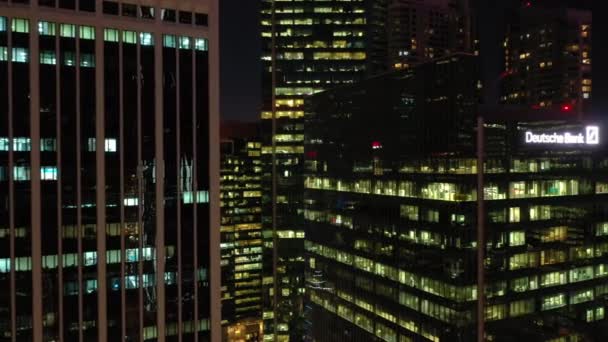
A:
[284,150]
[284,114]
[447,191]
[339,55]
[447,290]
[439,288]
[374,326]
[328,217]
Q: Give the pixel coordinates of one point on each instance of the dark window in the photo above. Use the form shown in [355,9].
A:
[185,17]
[129,10]
[110,7]
[21,1]
[67,4]
[168,15]
[47,3]
[86,5]
[147,12]
[200,19]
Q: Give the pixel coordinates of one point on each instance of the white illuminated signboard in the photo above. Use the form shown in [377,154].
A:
[590,136]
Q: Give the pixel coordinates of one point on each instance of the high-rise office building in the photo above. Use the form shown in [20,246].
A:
[391,211]
[109,170]
[421,30]
[319,45]
[241,238]
[547,57]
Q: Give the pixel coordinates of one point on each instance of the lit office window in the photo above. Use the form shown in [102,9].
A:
[110,145]
[21,173]
[184,42]
[169,41]
[20,25]
[129,37]
[87,32]
[48,145]
[553,301]
[201,197]
[87,60]
[48,57]
[517,238]
[3,53]
[2,24]
[46,28]
[201,44]
[48,173]
[67,30]
[22,144]
[20,55]
[110,35]
[131,202]
[69,58]
[4,144]
[146,39]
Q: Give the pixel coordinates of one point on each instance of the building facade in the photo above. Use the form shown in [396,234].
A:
[422,30]
[107,177]
[241,234]
[547,56]
[319,45]
[390,209]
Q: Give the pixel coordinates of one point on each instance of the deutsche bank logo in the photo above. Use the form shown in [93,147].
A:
[592,136]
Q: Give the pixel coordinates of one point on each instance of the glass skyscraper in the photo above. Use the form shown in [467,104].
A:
[391,205]
[319,45]
[109,171]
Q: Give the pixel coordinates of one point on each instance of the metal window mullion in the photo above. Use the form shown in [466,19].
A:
[11,184]
[213,66]
[59,187]
[79,188]
[35,223]
[179,198]
[160,185]
[194,193]
[123,283]
[102,316]
[140,197]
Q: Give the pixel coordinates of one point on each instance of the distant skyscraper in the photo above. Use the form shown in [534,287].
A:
[547,51]
[109,171]
[319,45]
[391,215]
[421,30]
[241,232]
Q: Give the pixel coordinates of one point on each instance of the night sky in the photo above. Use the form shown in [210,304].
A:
[240,60]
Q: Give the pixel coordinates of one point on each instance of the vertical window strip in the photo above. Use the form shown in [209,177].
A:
[2,24]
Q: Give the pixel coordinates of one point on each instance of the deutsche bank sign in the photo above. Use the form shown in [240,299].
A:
[591,136]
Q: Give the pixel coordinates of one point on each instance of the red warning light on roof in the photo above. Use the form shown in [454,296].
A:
[566,108]
[528,3]
[376,145]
